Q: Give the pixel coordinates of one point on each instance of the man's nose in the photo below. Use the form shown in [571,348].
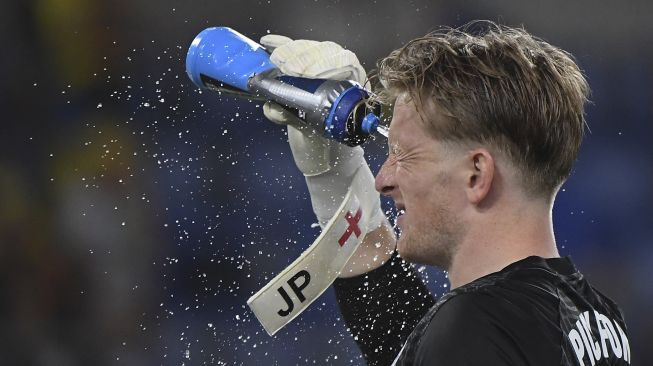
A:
[384,182]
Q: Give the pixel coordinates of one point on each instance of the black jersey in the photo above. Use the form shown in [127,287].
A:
[533,312]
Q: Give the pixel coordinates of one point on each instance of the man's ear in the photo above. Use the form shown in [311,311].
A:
[480,165]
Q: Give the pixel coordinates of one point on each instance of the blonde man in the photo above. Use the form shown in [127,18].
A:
[487,125]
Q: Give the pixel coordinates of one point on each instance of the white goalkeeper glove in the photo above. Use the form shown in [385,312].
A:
[329,166]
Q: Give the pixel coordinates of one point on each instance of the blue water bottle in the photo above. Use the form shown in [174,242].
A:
[221,59]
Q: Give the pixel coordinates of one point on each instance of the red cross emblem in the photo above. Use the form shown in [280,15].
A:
[353,226]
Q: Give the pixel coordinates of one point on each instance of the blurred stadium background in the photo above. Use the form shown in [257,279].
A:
[138,215]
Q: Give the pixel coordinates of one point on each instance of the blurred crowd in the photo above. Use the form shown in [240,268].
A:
[137,214]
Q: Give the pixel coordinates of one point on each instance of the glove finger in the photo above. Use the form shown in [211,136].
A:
[278,114]
[351,72]
[314,59]
[273,41]
[306,54]
[281,116]
[343,63]
[293,57]
[298,56]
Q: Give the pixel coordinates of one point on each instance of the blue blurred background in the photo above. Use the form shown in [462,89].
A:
[137,215]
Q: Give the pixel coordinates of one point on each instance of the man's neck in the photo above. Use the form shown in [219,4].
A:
[498,240]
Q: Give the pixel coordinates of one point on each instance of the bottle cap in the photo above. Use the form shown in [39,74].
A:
[370,123]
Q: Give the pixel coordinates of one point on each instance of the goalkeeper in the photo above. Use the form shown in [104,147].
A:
[486,127]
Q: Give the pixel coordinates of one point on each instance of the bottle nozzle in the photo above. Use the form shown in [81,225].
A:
[370,123]
[383,130]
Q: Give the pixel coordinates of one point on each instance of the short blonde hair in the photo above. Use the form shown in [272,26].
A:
[500,86]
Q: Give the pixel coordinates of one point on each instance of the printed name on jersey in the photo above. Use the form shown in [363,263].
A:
[610,340]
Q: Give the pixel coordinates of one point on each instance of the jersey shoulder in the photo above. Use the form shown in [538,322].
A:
[487,327]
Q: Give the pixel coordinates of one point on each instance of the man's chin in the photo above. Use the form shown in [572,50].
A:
[411,252]
[404,250]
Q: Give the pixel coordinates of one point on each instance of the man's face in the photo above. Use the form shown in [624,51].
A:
[421,176]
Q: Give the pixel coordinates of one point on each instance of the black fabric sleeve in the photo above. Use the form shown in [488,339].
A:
[382,307]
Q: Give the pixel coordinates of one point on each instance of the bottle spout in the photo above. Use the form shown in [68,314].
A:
[382,130]
[370,123]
